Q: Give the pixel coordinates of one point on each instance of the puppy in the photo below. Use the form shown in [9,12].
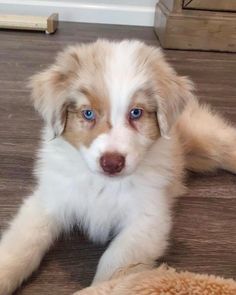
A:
[121,127]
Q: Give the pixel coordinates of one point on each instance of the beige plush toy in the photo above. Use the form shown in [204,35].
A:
[163,281]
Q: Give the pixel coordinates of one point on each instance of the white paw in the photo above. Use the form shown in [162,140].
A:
[87,291]
[8,275]
[6,287]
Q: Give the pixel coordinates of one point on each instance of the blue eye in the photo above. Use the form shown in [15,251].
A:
[89,115]
[135,114]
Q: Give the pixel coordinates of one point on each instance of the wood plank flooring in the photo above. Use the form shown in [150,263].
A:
[204,233]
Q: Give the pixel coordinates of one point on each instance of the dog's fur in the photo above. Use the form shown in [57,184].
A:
[132,206]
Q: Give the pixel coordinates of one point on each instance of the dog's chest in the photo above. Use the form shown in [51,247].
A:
[99,205]
[105,207]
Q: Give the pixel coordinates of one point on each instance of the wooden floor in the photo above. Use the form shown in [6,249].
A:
[204,233]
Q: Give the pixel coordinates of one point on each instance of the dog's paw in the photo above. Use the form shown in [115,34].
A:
[8,275]
[131,269]
[89,291]
[6,286]
[82,292]
[104,288]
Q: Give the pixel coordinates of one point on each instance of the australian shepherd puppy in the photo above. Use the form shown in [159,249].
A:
[121,127]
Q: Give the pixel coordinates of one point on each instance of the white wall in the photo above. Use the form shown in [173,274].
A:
[136,12]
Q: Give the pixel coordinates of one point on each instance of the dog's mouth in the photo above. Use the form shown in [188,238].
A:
[112,175]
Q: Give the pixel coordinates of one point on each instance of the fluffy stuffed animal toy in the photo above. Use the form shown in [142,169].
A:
[163,281]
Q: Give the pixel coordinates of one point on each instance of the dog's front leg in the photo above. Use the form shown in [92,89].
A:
[23,245]
[140,243]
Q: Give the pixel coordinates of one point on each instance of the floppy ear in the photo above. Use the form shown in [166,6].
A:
[50,90]
[174,93]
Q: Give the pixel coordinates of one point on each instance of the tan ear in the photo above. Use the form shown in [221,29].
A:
[50,90]
[174,93]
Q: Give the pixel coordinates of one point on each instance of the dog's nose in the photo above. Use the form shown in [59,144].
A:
[112,163]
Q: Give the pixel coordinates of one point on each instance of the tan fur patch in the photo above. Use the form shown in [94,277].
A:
[207,140]
[75,68]
[147,125]
[172,91]
[78,131]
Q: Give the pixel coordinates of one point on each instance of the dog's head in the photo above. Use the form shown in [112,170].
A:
[111,101]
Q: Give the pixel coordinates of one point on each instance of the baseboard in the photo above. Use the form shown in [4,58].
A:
[84,12]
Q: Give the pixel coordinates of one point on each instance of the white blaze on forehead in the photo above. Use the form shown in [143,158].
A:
[122,78]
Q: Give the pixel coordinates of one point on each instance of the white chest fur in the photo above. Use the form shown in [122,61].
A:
[100,205]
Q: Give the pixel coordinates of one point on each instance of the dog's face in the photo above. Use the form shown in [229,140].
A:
[111,101]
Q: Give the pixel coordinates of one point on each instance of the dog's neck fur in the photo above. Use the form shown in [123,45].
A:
[100,204]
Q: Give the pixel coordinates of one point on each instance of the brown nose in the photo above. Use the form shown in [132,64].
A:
[112,163]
